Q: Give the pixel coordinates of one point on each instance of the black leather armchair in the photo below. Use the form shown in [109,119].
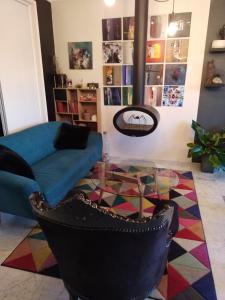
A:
[106,257]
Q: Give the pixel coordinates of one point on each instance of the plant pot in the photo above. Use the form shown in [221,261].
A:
[206,167]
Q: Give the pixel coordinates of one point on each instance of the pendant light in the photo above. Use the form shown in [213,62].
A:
[109,2]
[172,28]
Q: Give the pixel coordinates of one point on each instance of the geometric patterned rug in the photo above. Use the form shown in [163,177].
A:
[188,275]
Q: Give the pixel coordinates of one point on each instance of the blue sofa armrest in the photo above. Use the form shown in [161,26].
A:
[14,194]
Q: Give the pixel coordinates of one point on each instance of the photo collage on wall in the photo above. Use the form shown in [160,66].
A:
[166,60]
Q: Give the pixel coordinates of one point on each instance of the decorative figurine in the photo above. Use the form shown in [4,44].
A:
[213,78]
[222,32]
[211,70]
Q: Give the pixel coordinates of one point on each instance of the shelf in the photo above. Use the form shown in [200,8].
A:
[66,113]
[214,86]
[217,50]
[86,121]
[94,102]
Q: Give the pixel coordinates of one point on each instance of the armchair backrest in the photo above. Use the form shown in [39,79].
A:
[101,257]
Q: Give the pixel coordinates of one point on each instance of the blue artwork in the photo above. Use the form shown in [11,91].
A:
[175,74]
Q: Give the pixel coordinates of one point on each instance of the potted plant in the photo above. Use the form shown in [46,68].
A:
[210,147]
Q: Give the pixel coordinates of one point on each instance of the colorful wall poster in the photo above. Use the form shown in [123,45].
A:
[173,96]
[153,96]
[128,52]
[80,55]
[112,96]
[177,50]
[154,74]
[112,75]
[112,29]
[128,75]
[157,27]
[183,21]
[112,52]
[128,28]
[175,74]
[155,51]
[127,95]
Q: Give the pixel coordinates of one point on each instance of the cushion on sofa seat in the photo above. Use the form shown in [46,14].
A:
[72,137]
[59,172]
[34,143]
[11,162]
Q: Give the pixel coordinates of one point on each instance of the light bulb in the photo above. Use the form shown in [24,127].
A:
[172,28]
[110,2]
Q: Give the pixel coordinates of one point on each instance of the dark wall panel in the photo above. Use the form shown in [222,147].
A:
[211,112]
[48,50]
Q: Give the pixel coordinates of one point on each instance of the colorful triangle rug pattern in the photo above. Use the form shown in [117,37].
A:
[188,275]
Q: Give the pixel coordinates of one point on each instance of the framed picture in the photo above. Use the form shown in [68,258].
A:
[112,75]
[183,21]
[173,96]
[153,96]
[155,51]
[128,75]
[112,52]
[177,50]
[157,27]
[175,74]
[128,52]
[112,29]
[112,96]
[128,28]
[80,55]
[154,74]
[128,95]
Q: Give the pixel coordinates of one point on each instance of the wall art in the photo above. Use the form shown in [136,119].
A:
[112,52]
[111,29]
[80,55]
[183,21]
[112,96]
[153,96]
[155,51]
[177,50]
[175,74]
[154,74]
[166,60]
[173,96]
[157,27]
[128,28]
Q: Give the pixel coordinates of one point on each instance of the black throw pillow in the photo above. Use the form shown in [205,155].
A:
[72,137]
[12,162]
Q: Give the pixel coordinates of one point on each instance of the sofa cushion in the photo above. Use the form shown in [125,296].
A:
[57,173]
[11,162]
[33,143]
[72,137]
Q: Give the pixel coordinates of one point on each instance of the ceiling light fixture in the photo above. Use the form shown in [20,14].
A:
[110,2]
[172,28]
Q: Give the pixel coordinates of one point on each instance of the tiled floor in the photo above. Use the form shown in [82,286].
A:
[17,285]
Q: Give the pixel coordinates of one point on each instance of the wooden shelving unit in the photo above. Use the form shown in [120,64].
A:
[79,106]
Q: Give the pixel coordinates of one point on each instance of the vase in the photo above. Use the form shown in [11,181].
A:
[206,166]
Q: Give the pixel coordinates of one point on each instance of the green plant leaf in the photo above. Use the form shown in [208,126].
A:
[191,145]
[215,161]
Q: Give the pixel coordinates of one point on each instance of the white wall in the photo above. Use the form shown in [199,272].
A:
[80,20]
[21,73]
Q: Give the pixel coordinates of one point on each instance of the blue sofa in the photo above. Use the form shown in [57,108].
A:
[56,171]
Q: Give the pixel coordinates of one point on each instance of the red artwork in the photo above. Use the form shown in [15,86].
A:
[155,51]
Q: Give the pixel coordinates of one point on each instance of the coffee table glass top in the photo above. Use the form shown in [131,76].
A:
[133,181]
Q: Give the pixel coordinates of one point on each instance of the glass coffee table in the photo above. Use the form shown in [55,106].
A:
[133,181]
